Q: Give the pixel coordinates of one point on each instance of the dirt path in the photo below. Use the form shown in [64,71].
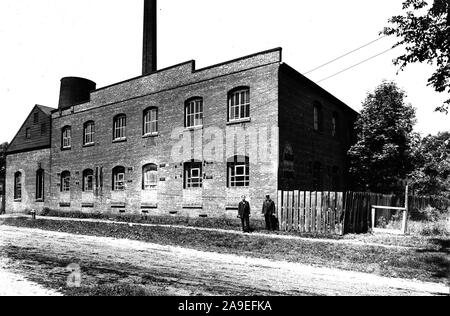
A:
[190,272]
[13,284]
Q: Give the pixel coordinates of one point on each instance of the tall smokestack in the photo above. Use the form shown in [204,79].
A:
[150,37]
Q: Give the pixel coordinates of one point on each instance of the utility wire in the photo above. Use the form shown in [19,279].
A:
[360,63]
[340,57]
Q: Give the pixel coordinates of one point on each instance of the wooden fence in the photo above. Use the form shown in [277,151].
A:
[338,213]
[311,212]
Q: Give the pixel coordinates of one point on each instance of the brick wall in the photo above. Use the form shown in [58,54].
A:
[299,139]
[260,73]
[28,164]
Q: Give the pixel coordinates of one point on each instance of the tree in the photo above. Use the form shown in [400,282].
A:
[382,156]
[431,176]
[425,32]
[3,148]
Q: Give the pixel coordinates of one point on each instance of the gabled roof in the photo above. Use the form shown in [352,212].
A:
[40,133]
[46,109]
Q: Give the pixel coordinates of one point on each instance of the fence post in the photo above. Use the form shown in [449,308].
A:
[405,213]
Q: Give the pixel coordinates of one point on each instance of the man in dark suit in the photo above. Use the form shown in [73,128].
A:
[244,214]
[269,212]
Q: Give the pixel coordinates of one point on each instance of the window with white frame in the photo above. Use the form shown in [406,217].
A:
[239,104]
[194,112]
[238,172]
[66,137]
[149,176]
[118,179]
[89,131]
[151,121]
[120,127]
[65,181]
[193,174]
[88,180]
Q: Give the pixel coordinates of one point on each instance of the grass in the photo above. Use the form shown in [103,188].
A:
[428,264]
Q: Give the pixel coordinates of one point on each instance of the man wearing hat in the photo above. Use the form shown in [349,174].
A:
[244,214]
[268,211]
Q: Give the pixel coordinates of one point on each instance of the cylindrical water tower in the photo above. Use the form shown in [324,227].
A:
[74,91]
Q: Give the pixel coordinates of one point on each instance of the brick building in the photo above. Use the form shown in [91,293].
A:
[180,140]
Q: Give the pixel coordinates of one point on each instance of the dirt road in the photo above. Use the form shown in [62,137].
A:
[177,271]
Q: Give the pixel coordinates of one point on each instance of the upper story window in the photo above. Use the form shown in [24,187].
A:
[36,118]
[194,112]
[66,138]
[17,186]
[239,104]
[151,121]
[193,174]
[120,127]
[28,133]
[118,179]
[318,117]
[335,125]
[88,133]
[149,176]
[88,180]
[238,172]
[43,129]
[65,181]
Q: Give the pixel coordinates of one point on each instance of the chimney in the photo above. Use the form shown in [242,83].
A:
[150,36]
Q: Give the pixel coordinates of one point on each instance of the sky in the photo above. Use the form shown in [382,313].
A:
[45,40]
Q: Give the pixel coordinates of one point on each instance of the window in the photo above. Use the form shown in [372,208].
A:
[17,186]
[65,181]
[238,172]
[151,121]
[194,112]
[318,117]
[239,104]
[317,176]
[120,126]
[149,176]
[335,180]
[36,118]
[335,125]
[66,137]
[88,132]
[88,180]
[43,128]
[40,185]
[28,133]
[193,174]
[118,179]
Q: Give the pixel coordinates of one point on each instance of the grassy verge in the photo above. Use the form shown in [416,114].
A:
[430,264]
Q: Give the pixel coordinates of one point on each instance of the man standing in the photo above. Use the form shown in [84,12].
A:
[269,212]
[244,214]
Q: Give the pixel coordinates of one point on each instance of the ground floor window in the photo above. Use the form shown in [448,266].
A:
[149,176]
[40,185]
[88,180]
[17,186]
[317,176]
[65,181]
[238,171]
[193,174]
[118,179]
